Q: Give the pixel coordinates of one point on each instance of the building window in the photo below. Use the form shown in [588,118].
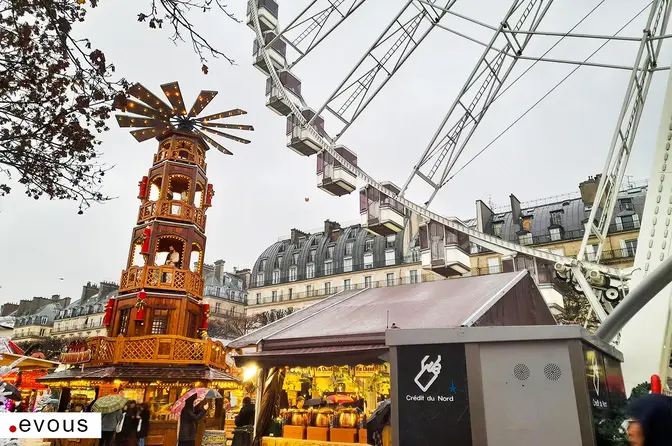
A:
[159,322]
[218,307]
[556,234]
[413,276]
[311,256]
[348,248]
[295,258]
[556,218]
[527,223]
[291,293]
[258,298]
[390,241]
[368,260]
[260,279]
[310,271]
[276,276]
[629,247]
[390,279]
[525,239]
[309,290]
[262,265]
[497,228]
[591,253]
[493,265]
[278,262]
[367,281]
[347,265]
[292,274]
[274,296]
[328,268]
[330,252]
[44,320]
[627,222]
[327,287]
[626,204]
[347,284]
[390,257]
[368,245]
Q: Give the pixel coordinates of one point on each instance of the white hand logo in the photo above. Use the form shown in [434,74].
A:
[433,367]
[596,376]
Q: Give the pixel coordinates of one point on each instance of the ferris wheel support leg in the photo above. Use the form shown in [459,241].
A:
[626,128]
[645,340]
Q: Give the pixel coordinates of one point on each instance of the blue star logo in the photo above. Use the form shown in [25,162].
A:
[452,387]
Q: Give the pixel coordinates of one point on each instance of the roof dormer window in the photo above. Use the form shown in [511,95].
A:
[556,218]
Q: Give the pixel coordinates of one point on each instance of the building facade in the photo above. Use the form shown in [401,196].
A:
[34,319]
[557,225]
[225,292]
[305,268]
[84,317]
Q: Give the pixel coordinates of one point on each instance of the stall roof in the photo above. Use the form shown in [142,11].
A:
[140,373]
[361,317]
[29,363]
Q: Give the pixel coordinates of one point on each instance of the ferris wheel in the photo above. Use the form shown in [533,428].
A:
[280,46]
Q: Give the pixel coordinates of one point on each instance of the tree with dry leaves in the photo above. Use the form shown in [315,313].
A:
[57,92]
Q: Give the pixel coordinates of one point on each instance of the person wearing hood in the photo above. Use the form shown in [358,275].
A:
[189,419]
[650,420]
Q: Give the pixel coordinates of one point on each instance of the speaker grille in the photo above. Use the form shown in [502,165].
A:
[552,372]
[521,372]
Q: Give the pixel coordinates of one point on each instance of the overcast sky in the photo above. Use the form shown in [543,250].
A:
[261,190]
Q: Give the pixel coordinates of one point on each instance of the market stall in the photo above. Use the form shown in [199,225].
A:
[334,350]
[25,378]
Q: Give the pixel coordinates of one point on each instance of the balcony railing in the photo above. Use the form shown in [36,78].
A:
[565,235]
[161,278]
[545,275]
[173,210]
[78,327]
[157,349]
[336,267]
[229,294]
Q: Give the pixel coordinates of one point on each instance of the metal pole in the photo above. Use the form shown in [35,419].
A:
[648,288]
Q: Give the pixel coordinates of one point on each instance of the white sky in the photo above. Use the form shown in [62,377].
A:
[261,189]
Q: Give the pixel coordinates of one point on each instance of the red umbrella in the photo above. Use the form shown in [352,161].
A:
[340,399]
[201,394]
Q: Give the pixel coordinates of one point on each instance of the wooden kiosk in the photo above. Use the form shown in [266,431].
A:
[157,345]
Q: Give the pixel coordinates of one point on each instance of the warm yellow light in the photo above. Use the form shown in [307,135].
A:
[249,372]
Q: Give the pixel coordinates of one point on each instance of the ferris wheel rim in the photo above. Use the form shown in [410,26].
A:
[451,222]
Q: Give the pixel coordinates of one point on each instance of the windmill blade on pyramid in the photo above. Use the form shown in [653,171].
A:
[152,117]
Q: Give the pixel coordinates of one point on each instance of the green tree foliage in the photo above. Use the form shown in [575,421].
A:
[57,92]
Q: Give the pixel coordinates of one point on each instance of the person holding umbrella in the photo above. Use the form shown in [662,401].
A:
[110,407]
[189,418]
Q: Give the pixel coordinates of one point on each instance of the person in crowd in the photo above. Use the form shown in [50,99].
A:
[127,430]
[650,420]
[143,423]
[246,415]
[189,419]
[109,422]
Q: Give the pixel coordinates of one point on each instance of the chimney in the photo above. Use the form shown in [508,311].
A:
[107,288]
[219,270]
[588,189]
[331,230]
[483,216]
[296,235]
[88,290]
[55,297]
[515,211]
[8,308]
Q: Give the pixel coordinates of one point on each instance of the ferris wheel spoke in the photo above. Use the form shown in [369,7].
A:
[315,23]
[478,93]
[631,112]
[380,62]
